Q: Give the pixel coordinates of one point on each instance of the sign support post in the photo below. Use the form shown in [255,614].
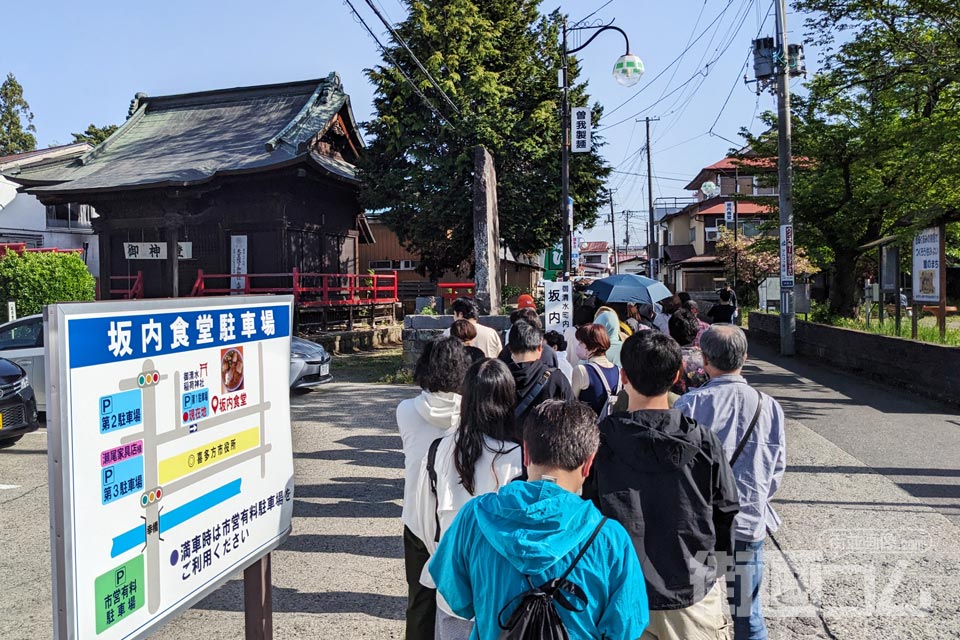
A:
[943,281]
[258,600]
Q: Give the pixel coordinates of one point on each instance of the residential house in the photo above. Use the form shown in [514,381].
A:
[24,219]
[596,259]
[251,180]
[688,235]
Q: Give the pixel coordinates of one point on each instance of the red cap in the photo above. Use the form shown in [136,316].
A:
[526,301]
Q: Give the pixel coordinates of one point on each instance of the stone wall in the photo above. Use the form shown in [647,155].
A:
[419,330]
[358,339]
[930,370]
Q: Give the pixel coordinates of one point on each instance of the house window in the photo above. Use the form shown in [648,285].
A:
[750,229]
[693,235]
[69,216]
[593,259]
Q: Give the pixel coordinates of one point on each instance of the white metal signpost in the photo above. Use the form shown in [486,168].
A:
[558,305]
[170,455]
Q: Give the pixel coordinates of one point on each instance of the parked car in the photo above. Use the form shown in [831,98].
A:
[22,341]
[309,364]
[18,406]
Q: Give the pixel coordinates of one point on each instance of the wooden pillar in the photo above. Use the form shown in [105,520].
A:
[943,282]
[883,297]
[173,259]
[105,237]
[258,600]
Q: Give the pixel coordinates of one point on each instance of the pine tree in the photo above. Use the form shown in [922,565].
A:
[14,112]
[497,60]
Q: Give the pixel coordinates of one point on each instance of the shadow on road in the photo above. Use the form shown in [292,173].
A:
[370,546]
[230,598]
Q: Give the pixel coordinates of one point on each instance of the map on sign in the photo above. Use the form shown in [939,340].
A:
[171,445]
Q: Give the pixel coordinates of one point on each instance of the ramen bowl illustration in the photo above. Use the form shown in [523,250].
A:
[231,369]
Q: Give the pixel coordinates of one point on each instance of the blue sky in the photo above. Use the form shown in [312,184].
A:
[81,63]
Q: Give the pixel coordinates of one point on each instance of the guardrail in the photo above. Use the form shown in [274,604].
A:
[308,289]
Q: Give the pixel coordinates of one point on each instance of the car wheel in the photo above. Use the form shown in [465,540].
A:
[9,442]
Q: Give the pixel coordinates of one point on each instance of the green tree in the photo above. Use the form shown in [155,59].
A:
[16,119]
[94,134]
[497,60]
[877,140]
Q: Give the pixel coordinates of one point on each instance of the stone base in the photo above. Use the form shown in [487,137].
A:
[419,330]
[359,339]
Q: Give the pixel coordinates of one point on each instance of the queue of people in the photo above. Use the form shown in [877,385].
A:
[612,498]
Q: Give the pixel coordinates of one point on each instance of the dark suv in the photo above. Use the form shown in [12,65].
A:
[18,406]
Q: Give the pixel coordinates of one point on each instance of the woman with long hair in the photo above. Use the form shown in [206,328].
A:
[482,455]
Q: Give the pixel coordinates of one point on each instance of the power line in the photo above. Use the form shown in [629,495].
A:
[416,60]
[396,65]
[643,175]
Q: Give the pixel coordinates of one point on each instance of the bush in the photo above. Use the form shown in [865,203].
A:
[34,279]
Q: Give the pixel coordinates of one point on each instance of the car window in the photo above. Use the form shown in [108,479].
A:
[21,335]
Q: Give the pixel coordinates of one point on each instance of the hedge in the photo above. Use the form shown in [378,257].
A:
[34,279]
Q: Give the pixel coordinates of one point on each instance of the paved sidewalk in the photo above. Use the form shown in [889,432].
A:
[873,560]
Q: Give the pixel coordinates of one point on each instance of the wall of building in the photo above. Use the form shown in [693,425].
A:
[927,369]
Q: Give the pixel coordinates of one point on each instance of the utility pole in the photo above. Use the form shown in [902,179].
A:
[652,244]
[788,321]
[613,225]
[626,222]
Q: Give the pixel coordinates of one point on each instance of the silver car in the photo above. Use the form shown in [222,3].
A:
[22,341]
[309,364]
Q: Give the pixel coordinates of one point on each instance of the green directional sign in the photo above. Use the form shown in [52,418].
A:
[552,262]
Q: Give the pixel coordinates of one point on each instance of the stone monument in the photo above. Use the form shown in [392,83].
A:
[486,232]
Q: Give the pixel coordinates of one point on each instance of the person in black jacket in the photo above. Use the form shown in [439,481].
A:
[547,355]
[536,381]
[666,480]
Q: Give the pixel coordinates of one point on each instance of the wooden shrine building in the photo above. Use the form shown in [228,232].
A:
[253,180]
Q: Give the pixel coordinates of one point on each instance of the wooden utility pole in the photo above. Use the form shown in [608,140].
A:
[613,226]
[651,233]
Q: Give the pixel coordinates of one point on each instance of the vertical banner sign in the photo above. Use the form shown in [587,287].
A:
[926,265]
[728,211]
[558,306]
[553,262]
[891,267]
[786,256]
[580,134]
[171,463]
[238,261]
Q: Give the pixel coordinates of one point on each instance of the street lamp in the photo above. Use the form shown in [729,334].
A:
[627,72]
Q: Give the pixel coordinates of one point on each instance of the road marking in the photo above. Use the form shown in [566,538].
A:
[9,486]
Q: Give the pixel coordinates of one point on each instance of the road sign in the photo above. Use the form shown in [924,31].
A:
[728,211]
[926,265]
[170,454]
[558,305]
[787,279]
[580,130]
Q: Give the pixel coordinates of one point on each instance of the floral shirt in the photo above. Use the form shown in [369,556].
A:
[692,374]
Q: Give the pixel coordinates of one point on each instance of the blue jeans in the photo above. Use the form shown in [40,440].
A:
[744,592]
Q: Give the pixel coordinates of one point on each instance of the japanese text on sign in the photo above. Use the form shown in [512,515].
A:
[558,305]
[580,130]
[926,265]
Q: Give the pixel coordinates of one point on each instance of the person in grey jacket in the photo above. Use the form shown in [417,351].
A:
[727,406]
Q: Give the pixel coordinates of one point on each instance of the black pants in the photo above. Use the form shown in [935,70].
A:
[421,601]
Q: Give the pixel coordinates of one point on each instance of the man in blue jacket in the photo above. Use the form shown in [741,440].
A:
[530,532]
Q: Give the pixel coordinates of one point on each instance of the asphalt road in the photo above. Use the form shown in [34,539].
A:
[865,551]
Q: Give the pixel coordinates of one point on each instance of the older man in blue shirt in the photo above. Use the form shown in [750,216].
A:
[728,406]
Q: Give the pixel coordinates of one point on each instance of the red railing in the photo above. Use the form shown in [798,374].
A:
[453,290]
[308,289]
[133,290]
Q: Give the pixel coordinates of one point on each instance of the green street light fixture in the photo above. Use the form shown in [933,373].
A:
[627,72]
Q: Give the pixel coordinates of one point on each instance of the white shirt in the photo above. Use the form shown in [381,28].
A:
[487,340]
[499,463]
[422,420]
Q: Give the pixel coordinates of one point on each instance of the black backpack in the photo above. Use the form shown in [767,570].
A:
[535,618]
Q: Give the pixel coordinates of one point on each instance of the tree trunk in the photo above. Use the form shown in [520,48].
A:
[843,283]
